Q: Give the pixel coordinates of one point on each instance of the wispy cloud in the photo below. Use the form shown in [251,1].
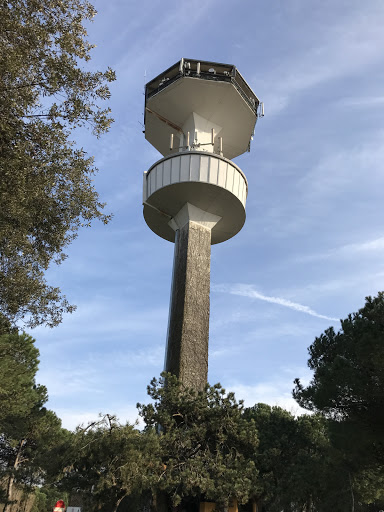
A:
[373,247]
[82,374]
[103,318]
[358,169]
[346,183]
[361,102]
[338,50]
[276,391]
[246,290]
[369,246]
[151,45]
[78,381]
[129,359]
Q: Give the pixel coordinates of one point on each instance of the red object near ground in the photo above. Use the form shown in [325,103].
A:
[59,507]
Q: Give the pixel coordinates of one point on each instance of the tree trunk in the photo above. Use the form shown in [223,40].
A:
[352,494]
[162,502]
[8,496]
[119,501]
[8,493]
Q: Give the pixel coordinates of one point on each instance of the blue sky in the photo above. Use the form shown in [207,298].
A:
[313,243]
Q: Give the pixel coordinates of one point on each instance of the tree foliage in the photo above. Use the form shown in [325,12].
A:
[107,461]
[298,468]
[348,382]
[45,499]
[206,445]
[289,458]
[348,389]
[46,188]
[18,366]
[28,431]
[195,446]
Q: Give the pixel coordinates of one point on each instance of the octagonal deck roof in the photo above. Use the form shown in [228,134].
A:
[215,91]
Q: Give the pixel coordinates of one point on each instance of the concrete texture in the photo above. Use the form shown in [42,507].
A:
[188,330]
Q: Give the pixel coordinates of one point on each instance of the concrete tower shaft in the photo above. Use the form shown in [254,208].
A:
[188,327]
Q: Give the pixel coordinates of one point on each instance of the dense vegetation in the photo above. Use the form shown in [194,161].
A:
[206,446]
[46,190]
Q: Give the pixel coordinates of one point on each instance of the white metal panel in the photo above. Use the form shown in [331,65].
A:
[207,181]
[241,189]
[145,193]
[192,167]
[204,166]
[222,177]
[152,181]
[166,171]
[159,176]
[230,176]
[244,198]
[175,169]
[236,180]
[195,167]
[184,168]
[238,191]
[166,176]
[213,170]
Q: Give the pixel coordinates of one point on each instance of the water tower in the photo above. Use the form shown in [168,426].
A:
[198,115]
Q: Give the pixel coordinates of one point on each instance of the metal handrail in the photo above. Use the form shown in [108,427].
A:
[179,70]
